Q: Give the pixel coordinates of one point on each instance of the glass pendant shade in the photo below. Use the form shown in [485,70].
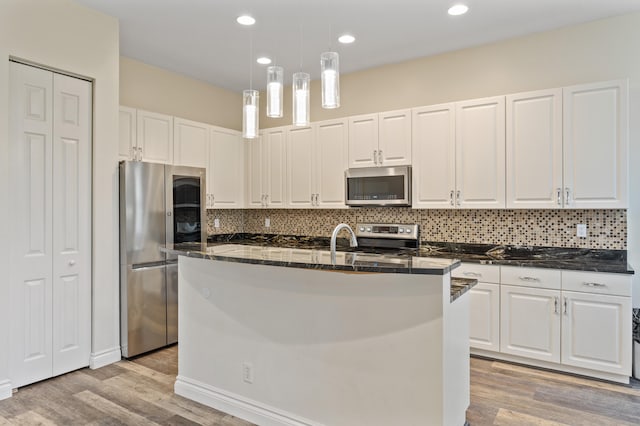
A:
[275,82]
[301,99]
[330,74]
[250,114]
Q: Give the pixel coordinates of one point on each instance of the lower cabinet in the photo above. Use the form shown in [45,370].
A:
[484,326]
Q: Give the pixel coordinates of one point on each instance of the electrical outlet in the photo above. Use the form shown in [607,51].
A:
[581,230]
[216,223]
[247,372]
[267,222]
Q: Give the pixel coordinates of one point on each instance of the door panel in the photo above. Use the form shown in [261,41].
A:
[274,157]
[363,140]
[332,152]
[172,303]
[31,260]
[71,224]
[155,137]
[394,138]
[225,176]
[484,327]
[146,316]
[300,156]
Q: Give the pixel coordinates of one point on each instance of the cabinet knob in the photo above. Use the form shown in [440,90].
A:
[72,262]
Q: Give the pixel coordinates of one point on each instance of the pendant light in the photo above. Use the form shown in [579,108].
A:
[329,72]
[250,99]
[300,91]
[275,82]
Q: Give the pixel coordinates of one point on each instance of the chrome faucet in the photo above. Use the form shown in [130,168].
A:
[353,243]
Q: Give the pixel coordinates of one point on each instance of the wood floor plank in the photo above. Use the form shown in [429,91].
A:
[113,410]
[509,417]
[31,418]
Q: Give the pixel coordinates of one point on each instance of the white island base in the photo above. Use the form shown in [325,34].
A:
[291,346]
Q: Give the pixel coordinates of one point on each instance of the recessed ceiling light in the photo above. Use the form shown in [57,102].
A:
[263,60]
[346,39]
[245,20]
[458,9]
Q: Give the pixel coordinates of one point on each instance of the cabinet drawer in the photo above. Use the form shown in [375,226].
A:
[597,282]
[483,273]
[531,277]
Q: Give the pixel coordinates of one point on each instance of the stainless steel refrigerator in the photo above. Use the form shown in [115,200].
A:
[159,204]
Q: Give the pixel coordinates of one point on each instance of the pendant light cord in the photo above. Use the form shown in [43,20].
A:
[250,60]
[301,47]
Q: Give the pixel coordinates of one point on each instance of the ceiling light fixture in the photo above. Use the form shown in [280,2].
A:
[329,73]
[250,100]
[245,20]
[346,39]
[275,83]
[300,93]
[458,9]
[263,60]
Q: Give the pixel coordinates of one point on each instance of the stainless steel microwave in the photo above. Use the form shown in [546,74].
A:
[378,186]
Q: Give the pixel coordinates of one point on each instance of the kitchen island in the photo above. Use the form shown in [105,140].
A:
[281,336]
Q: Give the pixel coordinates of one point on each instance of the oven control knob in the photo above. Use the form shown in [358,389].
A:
[400,230]
[368,229]
[362,229]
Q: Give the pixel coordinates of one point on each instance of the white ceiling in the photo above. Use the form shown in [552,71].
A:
[201,39]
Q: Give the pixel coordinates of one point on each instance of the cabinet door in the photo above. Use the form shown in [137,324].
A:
[534,149]
[274,155]
[530,322]
[596,332]
[596,145]
[331,161]
[480,153]
[191,140]
[225,175]
[255,174]
[127,134]
[155,137]
[394,138]
[363,140]
[434,161]
[300,185]
[484,325]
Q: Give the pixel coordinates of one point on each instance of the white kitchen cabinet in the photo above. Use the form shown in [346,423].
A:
[331,160]
[595,135]
[190,143]
[434,159]
[154,137]
[530,322]
[300,167]
[480,153]
[266,169]
[484,305]
[316,161]
[127,147]
[534,149]
[382,139]
[225,169]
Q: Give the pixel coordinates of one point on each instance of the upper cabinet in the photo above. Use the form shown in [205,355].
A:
[534,149]
[380,139]
[316,161]
[596,145]
[225,169]
[190,143]
[128,147]
[155,137]
[266,157]
[568,147]
[480,153]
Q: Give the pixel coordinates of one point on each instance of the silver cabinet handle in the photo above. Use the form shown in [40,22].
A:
[317,203]
[472,274]
[595,285]
[530,279]
[559,196]
[458,197]
[375,156]
[380,157]
[72,262]
[451,197]
[266,200]
[213,200]
[140,154]
[555,305]
[567,196]
[565,306]
[262,200]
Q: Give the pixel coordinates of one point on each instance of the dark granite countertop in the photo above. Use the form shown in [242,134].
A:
[460,286]
[311,258]
[594,260]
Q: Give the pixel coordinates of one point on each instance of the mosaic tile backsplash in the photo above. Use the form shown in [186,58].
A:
[606,229]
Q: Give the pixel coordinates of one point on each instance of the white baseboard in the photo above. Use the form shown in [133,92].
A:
[102,358]
[246,409]
[5,389]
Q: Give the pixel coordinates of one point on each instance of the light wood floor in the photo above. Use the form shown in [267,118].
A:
[140,392]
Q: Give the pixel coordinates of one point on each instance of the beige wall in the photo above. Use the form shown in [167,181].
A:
[155,89]
[65,36]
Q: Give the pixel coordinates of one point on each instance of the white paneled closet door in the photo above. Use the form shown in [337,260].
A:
[50,277]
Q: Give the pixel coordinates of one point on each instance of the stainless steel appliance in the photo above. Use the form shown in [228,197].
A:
[159,204]
[392,236]
[378,186]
